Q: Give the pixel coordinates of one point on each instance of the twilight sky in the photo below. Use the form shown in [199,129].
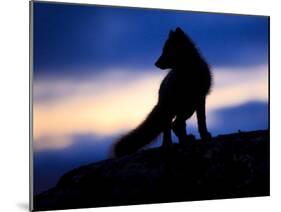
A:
[94,77]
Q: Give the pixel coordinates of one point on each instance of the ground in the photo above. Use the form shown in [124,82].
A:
[228,166]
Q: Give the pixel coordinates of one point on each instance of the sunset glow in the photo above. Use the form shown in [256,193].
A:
[106,106]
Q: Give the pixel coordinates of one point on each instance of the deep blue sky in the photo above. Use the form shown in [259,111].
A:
[91,38]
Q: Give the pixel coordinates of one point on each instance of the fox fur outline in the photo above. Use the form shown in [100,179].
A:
[182,92]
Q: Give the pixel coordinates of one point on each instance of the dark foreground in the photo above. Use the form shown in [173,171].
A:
[229,166]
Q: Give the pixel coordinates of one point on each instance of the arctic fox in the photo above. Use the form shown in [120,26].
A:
[182,92]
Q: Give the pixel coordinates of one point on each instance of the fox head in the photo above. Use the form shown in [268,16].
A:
[178,51]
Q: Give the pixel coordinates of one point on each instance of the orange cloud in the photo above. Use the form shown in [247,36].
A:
[119,101]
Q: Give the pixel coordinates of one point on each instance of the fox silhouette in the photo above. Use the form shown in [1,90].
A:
[182,92]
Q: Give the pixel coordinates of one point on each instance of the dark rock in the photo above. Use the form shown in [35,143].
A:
[228,166]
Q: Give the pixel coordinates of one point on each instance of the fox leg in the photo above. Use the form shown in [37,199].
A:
[167,137]
[201,120]
[179,127]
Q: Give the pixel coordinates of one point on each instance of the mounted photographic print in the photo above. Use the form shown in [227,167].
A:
[136,106]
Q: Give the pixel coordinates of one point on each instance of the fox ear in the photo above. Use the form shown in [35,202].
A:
[179,30]
[171,33]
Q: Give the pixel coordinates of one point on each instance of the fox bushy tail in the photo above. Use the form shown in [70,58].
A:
[148,130]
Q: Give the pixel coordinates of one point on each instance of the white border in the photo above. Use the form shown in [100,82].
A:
[193,5]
